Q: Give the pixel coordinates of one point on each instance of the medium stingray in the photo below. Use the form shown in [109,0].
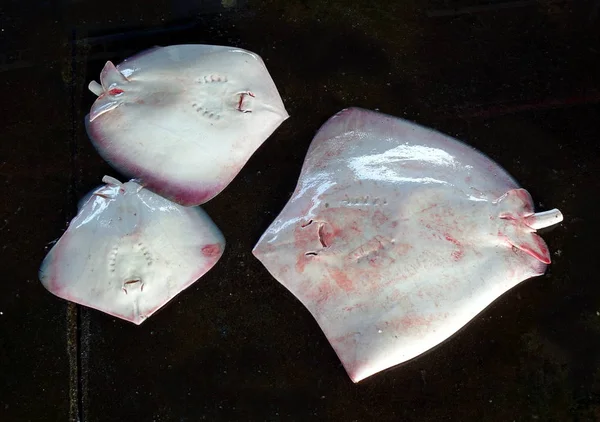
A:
[129,251]
[397,235]
[184,119]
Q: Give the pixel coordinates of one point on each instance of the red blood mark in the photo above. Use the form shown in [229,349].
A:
[301,262]
[429,207]
[212,250]
[458,254]
[341,279]
[451,239]
[115,91]
[322,292]
[379,218]
[414,321]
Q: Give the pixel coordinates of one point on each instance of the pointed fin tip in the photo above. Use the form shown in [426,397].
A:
[109,180]
[533,245]
[110,76]
[356,118]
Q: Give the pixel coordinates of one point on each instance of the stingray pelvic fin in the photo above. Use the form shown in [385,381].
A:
[530,243]
[516,209]
[110,76]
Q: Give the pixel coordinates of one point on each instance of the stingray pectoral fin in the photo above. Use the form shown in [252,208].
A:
[110,76]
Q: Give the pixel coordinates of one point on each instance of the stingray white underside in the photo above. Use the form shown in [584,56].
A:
[397,236]
[129,251]
[184,119]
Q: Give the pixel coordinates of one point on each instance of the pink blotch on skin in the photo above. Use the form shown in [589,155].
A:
[211,251]
[458,254]
[379,218]
[341,279]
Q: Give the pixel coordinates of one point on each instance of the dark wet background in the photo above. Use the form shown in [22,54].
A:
[520,80]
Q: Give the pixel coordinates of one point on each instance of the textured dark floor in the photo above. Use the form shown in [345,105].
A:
[519,80]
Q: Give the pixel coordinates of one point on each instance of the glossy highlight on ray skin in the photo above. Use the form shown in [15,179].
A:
[396,236]
[129,251]
[184,119]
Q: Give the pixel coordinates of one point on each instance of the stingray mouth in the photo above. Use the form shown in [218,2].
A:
[133,283]
[244,101]
[317,231]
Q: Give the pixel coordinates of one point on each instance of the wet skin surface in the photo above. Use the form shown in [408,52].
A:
[518,83]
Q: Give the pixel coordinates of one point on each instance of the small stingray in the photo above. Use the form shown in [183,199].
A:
[129,251]
[184,119]
[397,236]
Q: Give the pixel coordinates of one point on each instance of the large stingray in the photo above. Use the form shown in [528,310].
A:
[184,119]
[397,235]
[129,251]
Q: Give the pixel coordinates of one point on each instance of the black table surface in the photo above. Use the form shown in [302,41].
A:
[519,80]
